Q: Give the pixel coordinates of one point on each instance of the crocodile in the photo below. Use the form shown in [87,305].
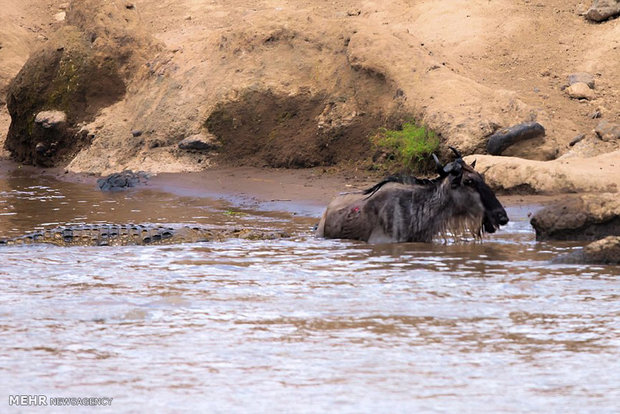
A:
[135,235]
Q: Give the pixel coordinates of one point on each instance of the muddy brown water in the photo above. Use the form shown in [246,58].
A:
[295,325]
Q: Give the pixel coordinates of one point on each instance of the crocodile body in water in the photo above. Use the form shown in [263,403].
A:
[134,234]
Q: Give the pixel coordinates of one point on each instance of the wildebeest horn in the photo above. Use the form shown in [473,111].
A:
[438,167]
[455,151]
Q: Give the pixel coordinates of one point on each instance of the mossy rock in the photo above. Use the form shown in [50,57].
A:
[64,75]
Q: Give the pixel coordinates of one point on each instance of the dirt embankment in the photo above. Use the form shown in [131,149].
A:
[298,84]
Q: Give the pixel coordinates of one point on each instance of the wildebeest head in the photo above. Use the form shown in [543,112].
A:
[469,187]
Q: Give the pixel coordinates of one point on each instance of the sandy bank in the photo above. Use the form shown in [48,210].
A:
[295,84]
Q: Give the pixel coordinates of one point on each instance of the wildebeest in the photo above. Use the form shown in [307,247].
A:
[408,209]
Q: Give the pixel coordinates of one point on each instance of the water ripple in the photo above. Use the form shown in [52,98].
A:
[307,325]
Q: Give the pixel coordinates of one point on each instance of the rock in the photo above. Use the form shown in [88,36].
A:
[49,130]
[51,119]
[122,180]
[539,150]
[199,142]
[60,16]
[41,148]
[504,138]
[588,217]
[580,90]
[136,132]
[83,68]
[598,174]
[608,131]
[590,146]
[602,10]
[65,73]
[576,139]
[605,251]
[581,77]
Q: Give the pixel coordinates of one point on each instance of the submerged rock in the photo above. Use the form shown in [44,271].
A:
[504,138]
[122,180]
[588,217]
[604,251]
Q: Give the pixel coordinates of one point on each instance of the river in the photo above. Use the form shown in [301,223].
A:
[295,325]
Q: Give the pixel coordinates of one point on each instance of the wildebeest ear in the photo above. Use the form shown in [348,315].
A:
[473,164]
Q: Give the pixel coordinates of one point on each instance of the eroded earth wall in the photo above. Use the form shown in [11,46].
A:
[298,84]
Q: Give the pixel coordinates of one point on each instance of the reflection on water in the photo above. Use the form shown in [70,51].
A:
[299,325]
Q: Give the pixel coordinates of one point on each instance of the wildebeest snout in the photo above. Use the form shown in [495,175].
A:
[502,217]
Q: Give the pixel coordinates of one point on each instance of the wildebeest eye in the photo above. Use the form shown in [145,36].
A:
[469,182]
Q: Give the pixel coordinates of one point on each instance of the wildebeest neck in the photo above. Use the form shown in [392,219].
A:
[419,212]
[494,213]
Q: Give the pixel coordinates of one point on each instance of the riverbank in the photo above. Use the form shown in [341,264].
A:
[300,85]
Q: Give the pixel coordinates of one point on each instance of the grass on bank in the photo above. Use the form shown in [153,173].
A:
[410,148]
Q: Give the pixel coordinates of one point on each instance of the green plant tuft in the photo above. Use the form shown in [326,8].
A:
[411,147]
